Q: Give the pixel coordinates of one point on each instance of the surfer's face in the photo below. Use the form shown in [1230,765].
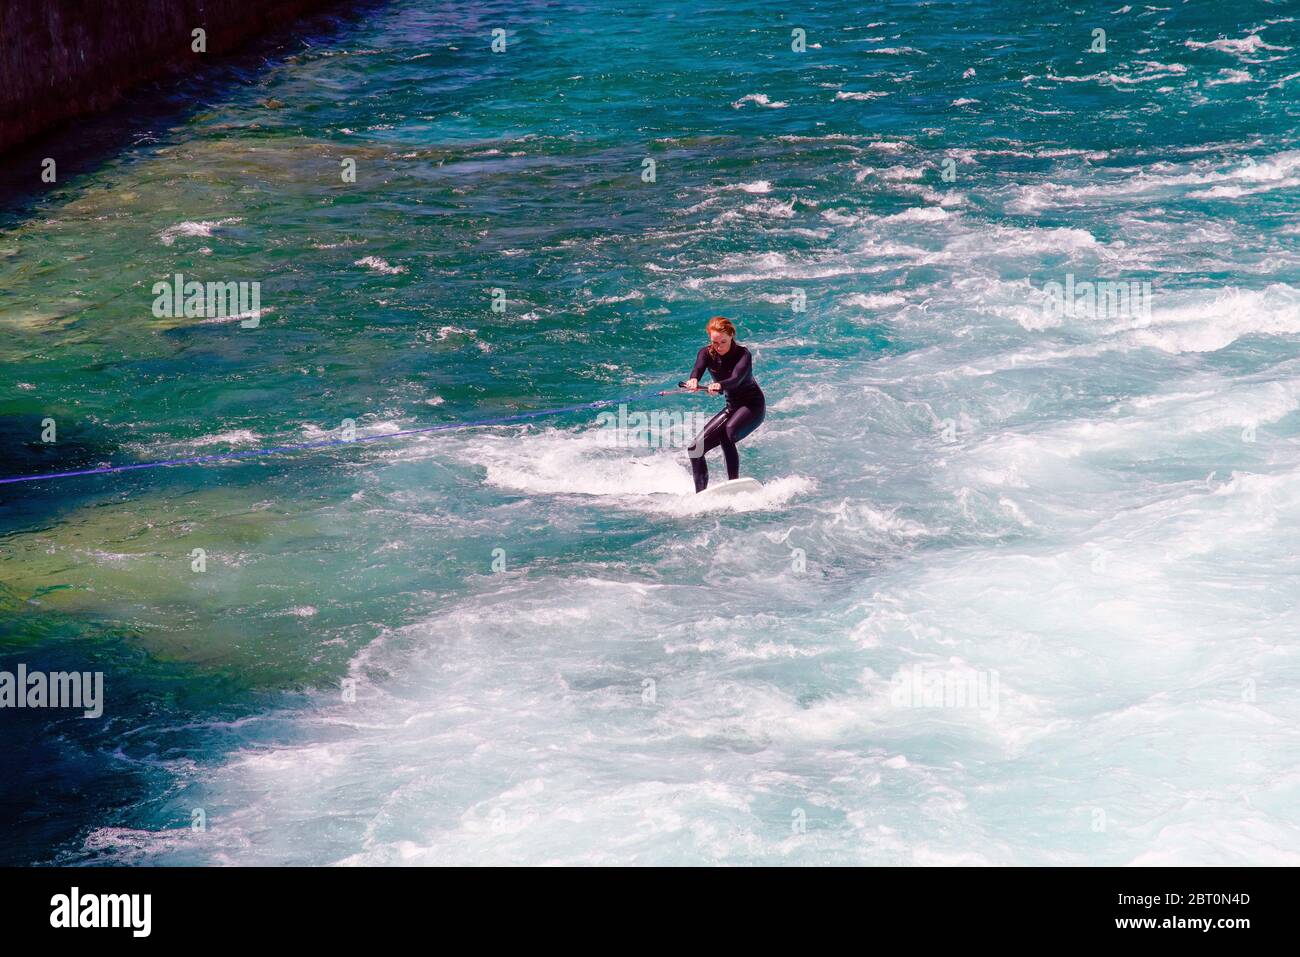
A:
[721,341]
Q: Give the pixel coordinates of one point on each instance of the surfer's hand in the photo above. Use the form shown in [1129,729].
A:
[692,384]
[715,387]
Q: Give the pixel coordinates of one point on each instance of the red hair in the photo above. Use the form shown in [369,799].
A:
[720,324]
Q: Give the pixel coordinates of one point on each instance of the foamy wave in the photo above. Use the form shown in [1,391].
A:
[770,266]
[127,845]
[234,437]
[379,265]
[840,218]
[203,228]
[1210,323]
[768,207]
[1045,458]
[555,462]
[634,295]
[773,494]
[761,99]
[919,214]
[1239,47]
[445,332]
[861,516]
[1229,77]
[1275,172]
[874,301]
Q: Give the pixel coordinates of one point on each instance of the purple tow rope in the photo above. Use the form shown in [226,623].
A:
[324,444]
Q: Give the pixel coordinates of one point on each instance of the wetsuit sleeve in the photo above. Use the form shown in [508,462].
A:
[698,369]
[744,365]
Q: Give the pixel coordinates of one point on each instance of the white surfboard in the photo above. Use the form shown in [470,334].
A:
[733,487]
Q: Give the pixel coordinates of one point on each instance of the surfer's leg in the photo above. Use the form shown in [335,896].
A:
[700,473]
[710,437]
[731,457]
[744,419]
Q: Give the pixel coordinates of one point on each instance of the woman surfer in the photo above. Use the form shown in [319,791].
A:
[732,367]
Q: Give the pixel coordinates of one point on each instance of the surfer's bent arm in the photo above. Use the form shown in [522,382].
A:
[693,381]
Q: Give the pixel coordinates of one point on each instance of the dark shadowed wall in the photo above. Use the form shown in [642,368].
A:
[60,59]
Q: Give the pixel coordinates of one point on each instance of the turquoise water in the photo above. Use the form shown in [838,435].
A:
[557,655]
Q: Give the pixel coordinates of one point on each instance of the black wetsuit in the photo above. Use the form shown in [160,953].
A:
[742,414]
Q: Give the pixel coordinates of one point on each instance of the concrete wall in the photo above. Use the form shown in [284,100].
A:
[60,59]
